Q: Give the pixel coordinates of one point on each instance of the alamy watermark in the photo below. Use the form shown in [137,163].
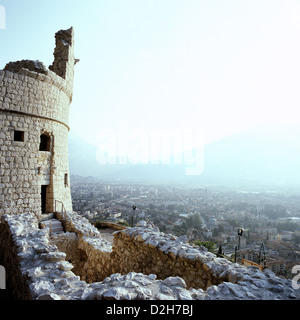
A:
[137,146]
[2,17]
[2,278]
[295,283]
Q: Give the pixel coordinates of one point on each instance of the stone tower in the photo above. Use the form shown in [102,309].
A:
[34,126]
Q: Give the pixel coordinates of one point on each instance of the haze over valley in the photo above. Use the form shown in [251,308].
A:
[260,156]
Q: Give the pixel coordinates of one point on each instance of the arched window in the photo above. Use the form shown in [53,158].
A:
[45,142]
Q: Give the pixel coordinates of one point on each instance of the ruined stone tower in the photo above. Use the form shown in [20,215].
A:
[34,126]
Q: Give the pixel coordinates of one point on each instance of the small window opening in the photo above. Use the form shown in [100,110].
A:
[66,180]
[19,136]
[45,142]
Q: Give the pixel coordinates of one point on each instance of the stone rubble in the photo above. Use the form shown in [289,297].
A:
[31,65]
[76,223]
[38,270]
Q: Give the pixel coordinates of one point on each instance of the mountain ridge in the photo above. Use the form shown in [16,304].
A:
[256,155]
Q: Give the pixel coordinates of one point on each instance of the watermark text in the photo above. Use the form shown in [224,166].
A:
[136,146]
[2,17]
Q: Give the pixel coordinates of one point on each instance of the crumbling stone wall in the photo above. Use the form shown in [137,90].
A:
[37,269]
[35,101]
[163,255]
[9,253]
[31,65]
[85,248]
[142,249]
[64,54]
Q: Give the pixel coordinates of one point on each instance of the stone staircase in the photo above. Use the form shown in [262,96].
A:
[54,226]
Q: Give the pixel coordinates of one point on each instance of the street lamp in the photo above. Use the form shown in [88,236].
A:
[240,233]
[134,208]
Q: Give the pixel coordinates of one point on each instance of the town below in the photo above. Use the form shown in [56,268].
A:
[253,227]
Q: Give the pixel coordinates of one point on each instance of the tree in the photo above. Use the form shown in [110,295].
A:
[233,222]
[215,232]
[286,226]
[210,246]
[197,221]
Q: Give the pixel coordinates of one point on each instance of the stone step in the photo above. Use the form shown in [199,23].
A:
[54,225]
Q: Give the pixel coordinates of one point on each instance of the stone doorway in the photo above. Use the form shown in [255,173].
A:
[44,198]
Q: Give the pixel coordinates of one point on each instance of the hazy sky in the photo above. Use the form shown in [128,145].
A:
[217,66]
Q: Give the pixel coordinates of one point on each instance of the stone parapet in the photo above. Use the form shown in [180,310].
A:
[38,269]
[73,222]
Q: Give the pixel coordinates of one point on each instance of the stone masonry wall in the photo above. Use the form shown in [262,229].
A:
[35,101]
[22,171]
[11,258]
[150,251]
[85,248]
[38,269]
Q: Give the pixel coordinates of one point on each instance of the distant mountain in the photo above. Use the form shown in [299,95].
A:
[260,155]
[82,158]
